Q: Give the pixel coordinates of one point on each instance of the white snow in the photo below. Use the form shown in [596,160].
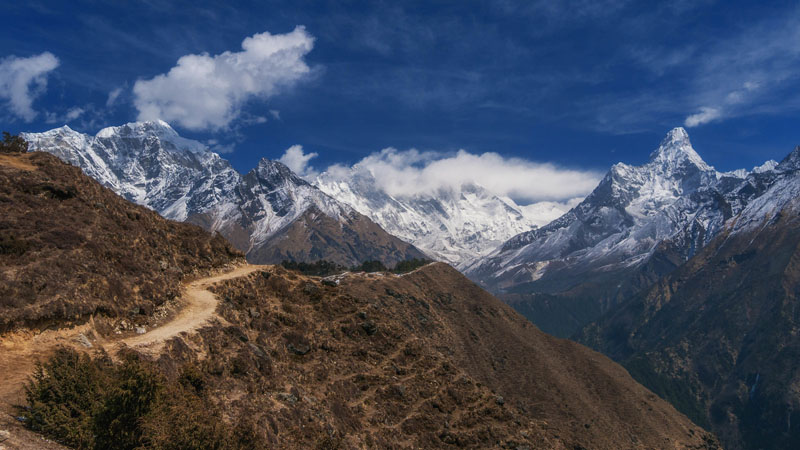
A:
[452,225]
[150,164]
[676,196]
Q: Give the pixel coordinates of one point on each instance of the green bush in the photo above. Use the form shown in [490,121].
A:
[370,266]
[62,395]
[127,401]
[410,265]
[13,144]
[90,403]
[321,268]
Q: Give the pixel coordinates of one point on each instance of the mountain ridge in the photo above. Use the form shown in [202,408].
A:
[718,336]
[456,225]
[637,225]
[150,164]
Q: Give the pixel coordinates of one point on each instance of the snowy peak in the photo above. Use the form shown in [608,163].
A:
[150,164]
[158,129]
[791,162]
[450,223]
[139,129]
[676,151]
[275,173]
[622,221]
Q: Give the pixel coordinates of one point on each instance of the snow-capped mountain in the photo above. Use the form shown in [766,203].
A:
[453,225]
[721,327]
[150,164]
[638,224]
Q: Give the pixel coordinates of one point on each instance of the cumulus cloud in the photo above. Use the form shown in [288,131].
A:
[208,92]
[411,172]
[24,79]
[296,159]
[706,114]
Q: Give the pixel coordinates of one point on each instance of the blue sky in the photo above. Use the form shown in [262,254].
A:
[580,84]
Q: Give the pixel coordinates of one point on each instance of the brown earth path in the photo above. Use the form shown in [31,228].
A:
[200,307]
[20,351]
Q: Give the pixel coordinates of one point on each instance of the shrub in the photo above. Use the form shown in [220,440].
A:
[91,404]
[321,268]
[13,144]
[10,245]
[410,265]
[62,395]
[117,422]
[370,266]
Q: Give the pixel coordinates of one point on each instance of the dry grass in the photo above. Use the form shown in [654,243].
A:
[70,248]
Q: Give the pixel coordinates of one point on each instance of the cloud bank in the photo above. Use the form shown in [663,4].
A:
[204,92]
[24,79]
[411,172]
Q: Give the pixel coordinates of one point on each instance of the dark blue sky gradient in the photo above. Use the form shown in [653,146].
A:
[580,83]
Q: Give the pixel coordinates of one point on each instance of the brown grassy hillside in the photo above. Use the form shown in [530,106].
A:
[425,360]
[70,247]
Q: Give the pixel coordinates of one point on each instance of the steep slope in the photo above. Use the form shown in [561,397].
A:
[638,224]
[719,336]
[452,225]
[423,360]
[150,164]
[118,256]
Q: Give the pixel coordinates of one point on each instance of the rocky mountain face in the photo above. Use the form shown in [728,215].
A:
[718,337]
[70,248]
[149,164]
[456,225]
[637,225]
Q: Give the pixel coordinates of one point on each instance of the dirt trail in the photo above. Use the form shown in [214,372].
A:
[19,351]
[200,307]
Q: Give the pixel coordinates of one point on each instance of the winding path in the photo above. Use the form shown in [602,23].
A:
[19,351]
[199,308]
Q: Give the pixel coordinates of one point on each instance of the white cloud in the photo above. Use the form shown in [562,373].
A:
[208,92]
[74,113]
[726,108]
[297,160]
[24,79]
[113,96]
[218,147]
[411,172]
[706,115]
[542,213]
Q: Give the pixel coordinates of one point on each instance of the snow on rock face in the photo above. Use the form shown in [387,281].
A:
[146,163]
[150,164]
[676,196]
[779,190]
[453,225]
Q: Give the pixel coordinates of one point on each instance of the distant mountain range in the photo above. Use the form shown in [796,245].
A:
[270,213]
[273,214]
[455,225]
[638,224]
